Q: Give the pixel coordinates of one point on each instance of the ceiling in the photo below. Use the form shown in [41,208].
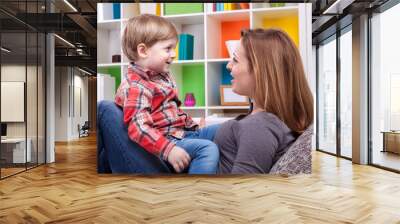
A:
[79,26]
[331,16]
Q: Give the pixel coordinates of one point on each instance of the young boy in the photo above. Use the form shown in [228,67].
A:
[149,98]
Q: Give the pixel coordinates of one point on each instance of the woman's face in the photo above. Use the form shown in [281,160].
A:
[243,82]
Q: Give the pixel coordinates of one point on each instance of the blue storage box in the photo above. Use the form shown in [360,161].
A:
[226,75]
[186,44]
[116,10]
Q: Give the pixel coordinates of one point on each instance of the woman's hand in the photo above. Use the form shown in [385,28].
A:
[179,159]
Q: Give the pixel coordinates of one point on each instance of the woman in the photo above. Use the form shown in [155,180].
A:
[267,68]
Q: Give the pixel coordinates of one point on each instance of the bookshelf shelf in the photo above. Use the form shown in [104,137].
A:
[190,78]
[207,71]
[193,108]
[198,61]
[216,60]
[265,5]
[227,107]
[276,9]
[233,15]
[229,15]
[109,65]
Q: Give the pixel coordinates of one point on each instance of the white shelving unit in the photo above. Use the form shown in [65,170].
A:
[209,56]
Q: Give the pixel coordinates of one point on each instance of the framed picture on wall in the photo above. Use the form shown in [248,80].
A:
[229,98]
[12,101]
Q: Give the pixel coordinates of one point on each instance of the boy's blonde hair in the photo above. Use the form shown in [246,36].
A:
[147,29]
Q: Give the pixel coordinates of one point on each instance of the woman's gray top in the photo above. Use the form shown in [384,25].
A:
[252,144]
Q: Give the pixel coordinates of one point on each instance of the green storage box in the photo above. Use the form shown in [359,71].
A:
[114,71]
[182,8]
[193,80]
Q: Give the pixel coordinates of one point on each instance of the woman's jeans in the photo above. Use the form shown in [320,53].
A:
[116,153]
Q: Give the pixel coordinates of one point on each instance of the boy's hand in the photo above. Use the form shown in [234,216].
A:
[179,159]
[202,122]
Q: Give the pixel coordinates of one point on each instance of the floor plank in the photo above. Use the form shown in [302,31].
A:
[71,191]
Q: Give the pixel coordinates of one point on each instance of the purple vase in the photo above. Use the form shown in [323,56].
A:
[190,101]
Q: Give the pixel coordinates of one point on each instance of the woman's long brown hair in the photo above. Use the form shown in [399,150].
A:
[281,84]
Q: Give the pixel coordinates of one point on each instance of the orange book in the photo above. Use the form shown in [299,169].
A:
[158,9]
[244,5]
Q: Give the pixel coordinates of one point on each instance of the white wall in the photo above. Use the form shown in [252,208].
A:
[67,115]
[80,118]
[61,103]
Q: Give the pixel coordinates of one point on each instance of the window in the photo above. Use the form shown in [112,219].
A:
[334,106]
[385,89]
[327,96]
[22,74]
[346,75]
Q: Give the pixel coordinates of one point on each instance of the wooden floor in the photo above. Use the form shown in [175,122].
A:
[387,159]
[10,171]
[70,191]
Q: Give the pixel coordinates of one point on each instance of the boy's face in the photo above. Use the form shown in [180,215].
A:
[161,55]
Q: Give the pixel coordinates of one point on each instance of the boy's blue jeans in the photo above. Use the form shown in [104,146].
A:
[202,150]
[116,153]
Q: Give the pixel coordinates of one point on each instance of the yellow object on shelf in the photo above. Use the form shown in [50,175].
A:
[228,6]
[289,24]
[158,9]
[176,51]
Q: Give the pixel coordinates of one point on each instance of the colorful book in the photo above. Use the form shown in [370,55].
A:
[158,9]
[244,5]
[210,7]
[220,7]
[228,6]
